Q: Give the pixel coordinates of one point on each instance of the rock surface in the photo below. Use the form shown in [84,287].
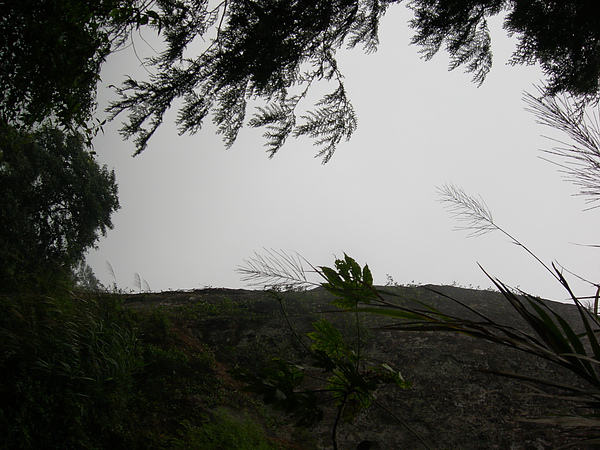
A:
[452,404]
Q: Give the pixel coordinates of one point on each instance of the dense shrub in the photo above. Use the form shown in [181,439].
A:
[66,371]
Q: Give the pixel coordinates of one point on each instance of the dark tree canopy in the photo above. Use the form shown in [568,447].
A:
[268,50]
[51,52]
[275,50]
[272,50]
[56,201]
[562,36]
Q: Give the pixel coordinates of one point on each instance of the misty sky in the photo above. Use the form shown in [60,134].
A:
[192,211]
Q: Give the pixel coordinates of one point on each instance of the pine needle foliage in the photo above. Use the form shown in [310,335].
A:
[276,51]
[220,56]
[560,36]
[51,55]
[268,50]
[461,28]
[563,38]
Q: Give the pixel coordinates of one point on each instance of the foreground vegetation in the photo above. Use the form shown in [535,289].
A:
[79,370]
[155,371]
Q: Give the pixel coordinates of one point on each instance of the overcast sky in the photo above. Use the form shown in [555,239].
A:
[192,211]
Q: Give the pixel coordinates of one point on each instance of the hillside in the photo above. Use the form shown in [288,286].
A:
[452,404]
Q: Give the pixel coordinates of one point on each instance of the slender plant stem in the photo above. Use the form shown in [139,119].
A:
[359,342]
[337,421]
[516,242]
[404,424]
[287,319]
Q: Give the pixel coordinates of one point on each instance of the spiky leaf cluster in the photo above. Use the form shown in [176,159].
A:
[349,283]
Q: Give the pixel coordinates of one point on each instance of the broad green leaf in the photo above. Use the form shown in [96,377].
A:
[331,276]
[329,340]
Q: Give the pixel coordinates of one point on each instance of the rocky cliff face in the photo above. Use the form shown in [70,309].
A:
[452,403]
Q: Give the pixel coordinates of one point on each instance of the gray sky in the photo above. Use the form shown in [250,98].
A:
[192,211]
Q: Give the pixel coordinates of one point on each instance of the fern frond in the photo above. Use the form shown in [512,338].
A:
[191,116]
[230,114]
[474,51]
[279,120]
[334,119]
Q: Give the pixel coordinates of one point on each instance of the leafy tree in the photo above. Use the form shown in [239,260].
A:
[51,52]
[56,201]
[85,278]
